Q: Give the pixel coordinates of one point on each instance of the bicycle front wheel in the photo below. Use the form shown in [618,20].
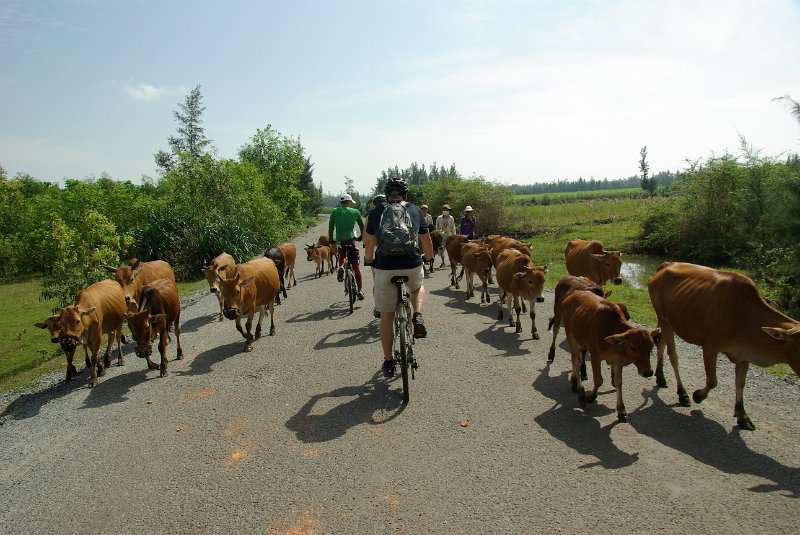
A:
[404,357]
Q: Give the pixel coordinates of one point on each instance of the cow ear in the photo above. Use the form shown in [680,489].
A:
[247,281]
[598,257]
[157,317]
[780,334]
[519,276]
[132,306]
[617,339]
[87,311]
[656,335]
[544,268]
[40,325]
[130,315]
[135,263]
[109,268]
[608,293]
[223,267]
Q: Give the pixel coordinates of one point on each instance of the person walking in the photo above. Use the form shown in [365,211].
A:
[446,223]
[468,224]
[428,217]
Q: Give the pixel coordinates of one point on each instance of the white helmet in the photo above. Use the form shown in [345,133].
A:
[468,209]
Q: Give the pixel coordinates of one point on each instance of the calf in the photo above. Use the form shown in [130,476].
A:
[319,254]
[276,255]
[137,274]
[99,309]
[290,255]
[453,246]
[723,312]
[566,286]
[159,308]
[524,281]
[254,286]
[476,259]
[593,323]
[438,248]
[589,259]
[213,269]
[498,244]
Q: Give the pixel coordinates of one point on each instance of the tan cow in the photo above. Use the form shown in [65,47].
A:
[498,244]
[290,258]
[334,249]
[254,287]
[566,286]
[159,308]
[319,254]
[589,259]
[453,246]
[53,325]
[595,324]
[524,281]
[477,260]
[723,312]
[213,269]
[99,309]
[137,274]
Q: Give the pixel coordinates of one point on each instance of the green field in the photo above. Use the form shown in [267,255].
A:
[575,196]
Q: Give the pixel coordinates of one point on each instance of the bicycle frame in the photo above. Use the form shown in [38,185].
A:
[403,346]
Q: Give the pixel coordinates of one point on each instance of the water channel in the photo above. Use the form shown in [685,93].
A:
[636,270]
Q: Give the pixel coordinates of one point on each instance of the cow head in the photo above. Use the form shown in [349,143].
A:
[523,248]
[74,321]
[608,264]
[532,282]
[144,329]
[791,339]
[212,275]
[126,277]
[310,252]
[634,347]
[232,294]
[53,325]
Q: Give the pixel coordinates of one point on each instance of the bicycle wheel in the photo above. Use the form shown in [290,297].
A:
[404,356]
[351,288]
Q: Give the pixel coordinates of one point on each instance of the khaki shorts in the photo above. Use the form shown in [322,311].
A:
[385,293]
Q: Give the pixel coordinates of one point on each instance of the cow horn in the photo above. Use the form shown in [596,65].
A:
[109,268]
[135,263]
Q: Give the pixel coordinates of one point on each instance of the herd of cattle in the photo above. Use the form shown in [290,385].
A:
[723,312]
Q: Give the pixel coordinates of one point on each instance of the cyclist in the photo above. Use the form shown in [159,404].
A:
[377,201]
[386,267]
[343,219]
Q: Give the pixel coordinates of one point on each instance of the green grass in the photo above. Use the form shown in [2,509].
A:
[26,352]
[576,196]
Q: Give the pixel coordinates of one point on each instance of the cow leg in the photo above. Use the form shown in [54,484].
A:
[583,365]
[248,344]
[489,276]
[534,330]
[517,309]
[162,349]
[178,337]
[86,355]
[575,380]
[597,376]
[470,291]
[221,305]
[120,357]
[271,320]
[453,270]
[524,308]
[501,295]
[97,366]
[294,279]
[71,371]
[239,327]
[107,354]
[741,416]
[683,397]
[485,292]
[258,324]
[511,301]
[710,364]
[283,286]
[622,415]
[555,325]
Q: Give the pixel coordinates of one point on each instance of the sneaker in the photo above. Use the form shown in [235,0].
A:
[388,368]
[360,295]
[340,274]
[376,313]
[419,326]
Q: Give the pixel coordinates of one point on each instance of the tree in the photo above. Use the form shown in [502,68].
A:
[305,182]
[191,139]
[648,184]
[794,106]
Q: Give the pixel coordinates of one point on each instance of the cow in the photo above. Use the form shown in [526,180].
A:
[276,255]
[438,248]
[213,269]
[290,254]
[334,249]
[99,309]
[137,274]
[52,324]
[593,323]
[524,281]
[723,312]
[159,308]
[498,244]
[589,259]
[252,288]
[477,260]
[453,246]
[319,254]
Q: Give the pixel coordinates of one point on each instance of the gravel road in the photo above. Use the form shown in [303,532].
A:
[303,435]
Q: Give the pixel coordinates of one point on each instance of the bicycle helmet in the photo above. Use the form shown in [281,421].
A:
[396,184]
[379,199]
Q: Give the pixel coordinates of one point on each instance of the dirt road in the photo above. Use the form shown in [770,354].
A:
[303,435]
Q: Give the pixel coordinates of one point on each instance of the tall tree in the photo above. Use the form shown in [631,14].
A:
[648,184]
[794,106]
[191,139]
[313,201]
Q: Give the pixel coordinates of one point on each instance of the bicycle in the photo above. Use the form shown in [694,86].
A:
[350,285]
[404,334]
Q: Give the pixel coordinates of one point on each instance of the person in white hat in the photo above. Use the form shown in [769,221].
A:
[468,223]
[341,230]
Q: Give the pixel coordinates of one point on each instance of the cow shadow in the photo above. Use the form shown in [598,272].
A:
[30,404]
[195,324]
[372,403]
[579,429]
[333,312]
[205,361]
[458,299]
[508,343]
[115,389]
[710,443]
[350,337]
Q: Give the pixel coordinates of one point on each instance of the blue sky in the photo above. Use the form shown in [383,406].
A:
[515,91]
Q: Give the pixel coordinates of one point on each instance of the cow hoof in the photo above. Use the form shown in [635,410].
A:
[221,318]
[92,383]
[535,336]
[661,382]
[180,355]
[683,399]
[106,361]
[163,373]
[622,417]
[120,361]
[272,332]
[551,355]
[518,329]
[745,423]
[153,366]
[248,349]
[591,397]
[697,397]
[258,333]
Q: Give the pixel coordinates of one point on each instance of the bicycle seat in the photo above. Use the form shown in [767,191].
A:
[399,278]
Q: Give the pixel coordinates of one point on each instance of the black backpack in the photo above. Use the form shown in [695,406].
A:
[396,234]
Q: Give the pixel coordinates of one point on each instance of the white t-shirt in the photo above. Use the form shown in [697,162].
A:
[447,225]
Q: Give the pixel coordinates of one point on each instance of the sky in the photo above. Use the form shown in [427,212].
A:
[514,91]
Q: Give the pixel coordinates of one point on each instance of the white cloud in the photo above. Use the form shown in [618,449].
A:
[148,92]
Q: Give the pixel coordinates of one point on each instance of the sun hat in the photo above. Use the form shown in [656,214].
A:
[345,197]
[468,209]
[424,206]
[446,207]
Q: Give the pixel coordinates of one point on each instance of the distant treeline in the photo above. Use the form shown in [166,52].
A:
[664,178]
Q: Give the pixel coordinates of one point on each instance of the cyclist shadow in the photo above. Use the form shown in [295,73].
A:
[373,403]
[333,312]
[350,337]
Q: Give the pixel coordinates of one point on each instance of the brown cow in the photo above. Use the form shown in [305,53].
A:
[453,246]
[137,274]
[723,312]
[319,254]
[524,281]
[159,307]
[290,257]
[99,309]
[589,259]
[477,260]
[213,269]
[254,286]
[438,248]
[53,325]
[595,324]
[498,244]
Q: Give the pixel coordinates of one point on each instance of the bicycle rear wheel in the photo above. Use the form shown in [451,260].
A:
[351,288]
[404,356]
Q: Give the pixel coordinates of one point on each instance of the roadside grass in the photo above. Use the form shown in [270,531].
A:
[26,352]
[575,196]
